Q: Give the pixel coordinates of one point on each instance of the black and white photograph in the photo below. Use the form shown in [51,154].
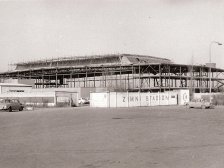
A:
[112,83]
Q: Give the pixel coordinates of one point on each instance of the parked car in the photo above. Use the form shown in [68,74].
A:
[200,103]
[10,105]
[83,101]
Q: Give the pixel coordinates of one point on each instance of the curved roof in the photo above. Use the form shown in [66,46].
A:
[113,59]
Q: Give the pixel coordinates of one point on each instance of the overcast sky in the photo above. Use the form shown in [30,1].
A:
[174,29]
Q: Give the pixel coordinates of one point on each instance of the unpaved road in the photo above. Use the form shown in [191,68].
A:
[84,137]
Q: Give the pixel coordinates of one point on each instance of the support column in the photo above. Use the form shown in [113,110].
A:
[105,75]
[70,83]
[128,81]
[160,79]
[139,82]
[42,81]
[181,78]
[85,83]
[56,80]
[169,78]
[133,80]
[94,80]
[120,78]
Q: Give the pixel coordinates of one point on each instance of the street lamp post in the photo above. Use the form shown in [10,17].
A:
[210,68]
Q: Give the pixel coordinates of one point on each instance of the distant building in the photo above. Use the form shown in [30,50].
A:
[117,72]
[13,87]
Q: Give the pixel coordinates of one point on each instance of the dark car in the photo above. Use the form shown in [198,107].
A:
[10,105]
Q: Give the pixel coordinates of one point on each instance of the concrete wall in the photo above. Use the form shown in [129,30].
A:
[14,87]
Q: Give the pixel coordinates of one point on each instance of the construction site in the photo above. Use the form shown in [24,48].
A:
[118,72]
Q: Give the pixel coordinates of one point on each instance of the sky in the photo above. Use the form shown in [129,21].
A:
[180,30]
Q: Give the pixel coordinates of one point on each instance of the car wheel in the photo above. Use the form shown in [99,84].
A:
[10,109]
[21,109]
[202,107]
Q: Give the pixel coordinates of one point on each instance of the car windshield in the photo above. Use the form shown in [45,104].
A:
[4,101]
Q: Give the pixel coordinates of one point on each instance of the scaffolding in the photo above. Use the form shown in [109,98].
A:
[142,76]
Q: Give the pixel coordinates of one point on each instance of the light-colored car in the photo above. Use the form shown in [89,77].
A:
[10,105]
[200,103]
[83,101]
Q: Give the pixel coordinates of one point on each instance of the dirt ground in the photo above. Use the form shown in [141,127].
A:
[84,137]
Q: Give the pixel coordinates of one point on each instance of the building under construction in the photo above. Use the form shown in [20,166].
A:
[118,72]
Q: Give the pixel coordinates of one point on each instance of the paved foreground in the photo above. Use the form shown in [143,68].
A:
[153,137]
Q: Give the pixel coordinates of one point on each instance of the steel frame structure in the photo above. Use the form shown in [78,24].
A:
[135,77]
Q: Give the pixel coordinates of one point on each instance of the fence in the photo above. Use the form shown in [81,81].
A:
[137,99]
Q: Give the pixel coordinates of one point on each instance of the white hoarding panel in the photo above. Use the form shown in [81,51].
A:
[145,101]
[154,99]
[183,97]
[172,98]
[163,99]
[122,99]
[133,99]
[113,99]
[99,99]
